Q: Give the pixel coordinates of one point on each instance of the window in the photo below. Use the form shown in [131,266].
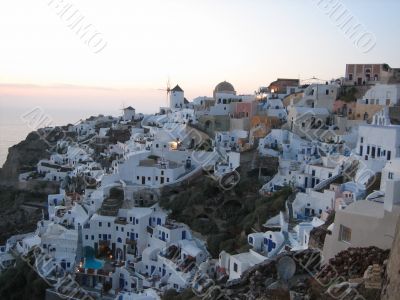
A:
[361,140]
[235,267]
[350,76]
[100,224]
[109,224]
[86,237]
[326,92]
[344,233]
[390,175]
[92,237]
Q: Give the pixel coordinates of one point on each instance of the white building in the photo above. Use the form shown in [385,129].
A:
[236,265]
[61,244]
[319,96]
[378,142]
[129,113]
[382,94]
[176,98]
[313,203]
[365,223]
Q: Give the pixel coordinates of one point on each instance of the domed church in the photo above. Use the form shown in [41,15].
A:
[224,88]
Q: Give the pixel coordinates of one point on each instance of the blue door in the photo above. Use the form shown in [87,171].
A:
[163,236]
[307,212]
[132,236]
[105,237]
[184,235]
[152,269]
[271,245]
[121,283]
[158,221]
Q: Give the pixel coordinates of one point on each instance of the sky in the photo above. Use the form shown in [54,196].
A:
[194,43]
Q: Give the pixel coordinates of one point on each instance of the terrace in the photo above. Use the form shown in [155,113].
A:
[121,221]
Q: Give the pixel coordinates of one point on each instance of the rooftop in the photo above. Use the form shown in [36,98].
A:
[366,208]
[250,258]
[177,88]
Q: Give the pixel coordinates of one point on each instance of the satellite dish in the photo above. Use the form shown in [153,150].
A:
[286,268]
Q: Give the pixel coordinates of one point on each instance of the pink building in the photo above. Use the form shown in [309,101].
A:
[344,108]
[244,109]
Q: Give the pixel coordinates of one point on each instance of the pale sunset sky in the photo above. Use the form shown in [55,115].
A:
[196,43]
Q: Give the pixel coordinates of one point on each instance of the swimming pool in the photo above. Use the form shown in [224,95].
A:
[91,263]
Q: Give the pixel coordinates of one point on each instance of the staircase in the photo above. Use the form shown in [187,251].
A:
[289,206]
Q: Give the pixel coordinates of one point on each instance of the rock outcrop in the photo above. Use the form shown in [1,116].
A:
[22,158]
[391,287]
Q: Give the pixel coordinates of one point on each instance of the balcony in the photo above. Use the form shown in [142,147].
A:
[121,221]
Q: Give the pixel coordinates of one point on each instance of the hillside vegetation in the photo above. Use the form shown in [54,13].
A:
[224,218]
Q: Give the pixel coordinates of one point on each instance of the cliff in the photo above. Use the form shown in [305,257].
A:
[23,157]
[391,287]
[21,208]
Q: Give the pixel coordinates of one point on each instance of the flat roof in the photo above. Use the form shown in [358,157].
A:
[366,208]
[249,257]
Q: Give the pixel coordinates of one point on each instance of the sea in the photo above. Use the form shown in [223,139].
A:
[16,124]
[24,109]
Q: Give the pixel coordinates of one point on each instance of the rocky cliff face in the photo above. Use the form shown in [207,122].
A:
[23,157]
[391,287]
[21,207]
